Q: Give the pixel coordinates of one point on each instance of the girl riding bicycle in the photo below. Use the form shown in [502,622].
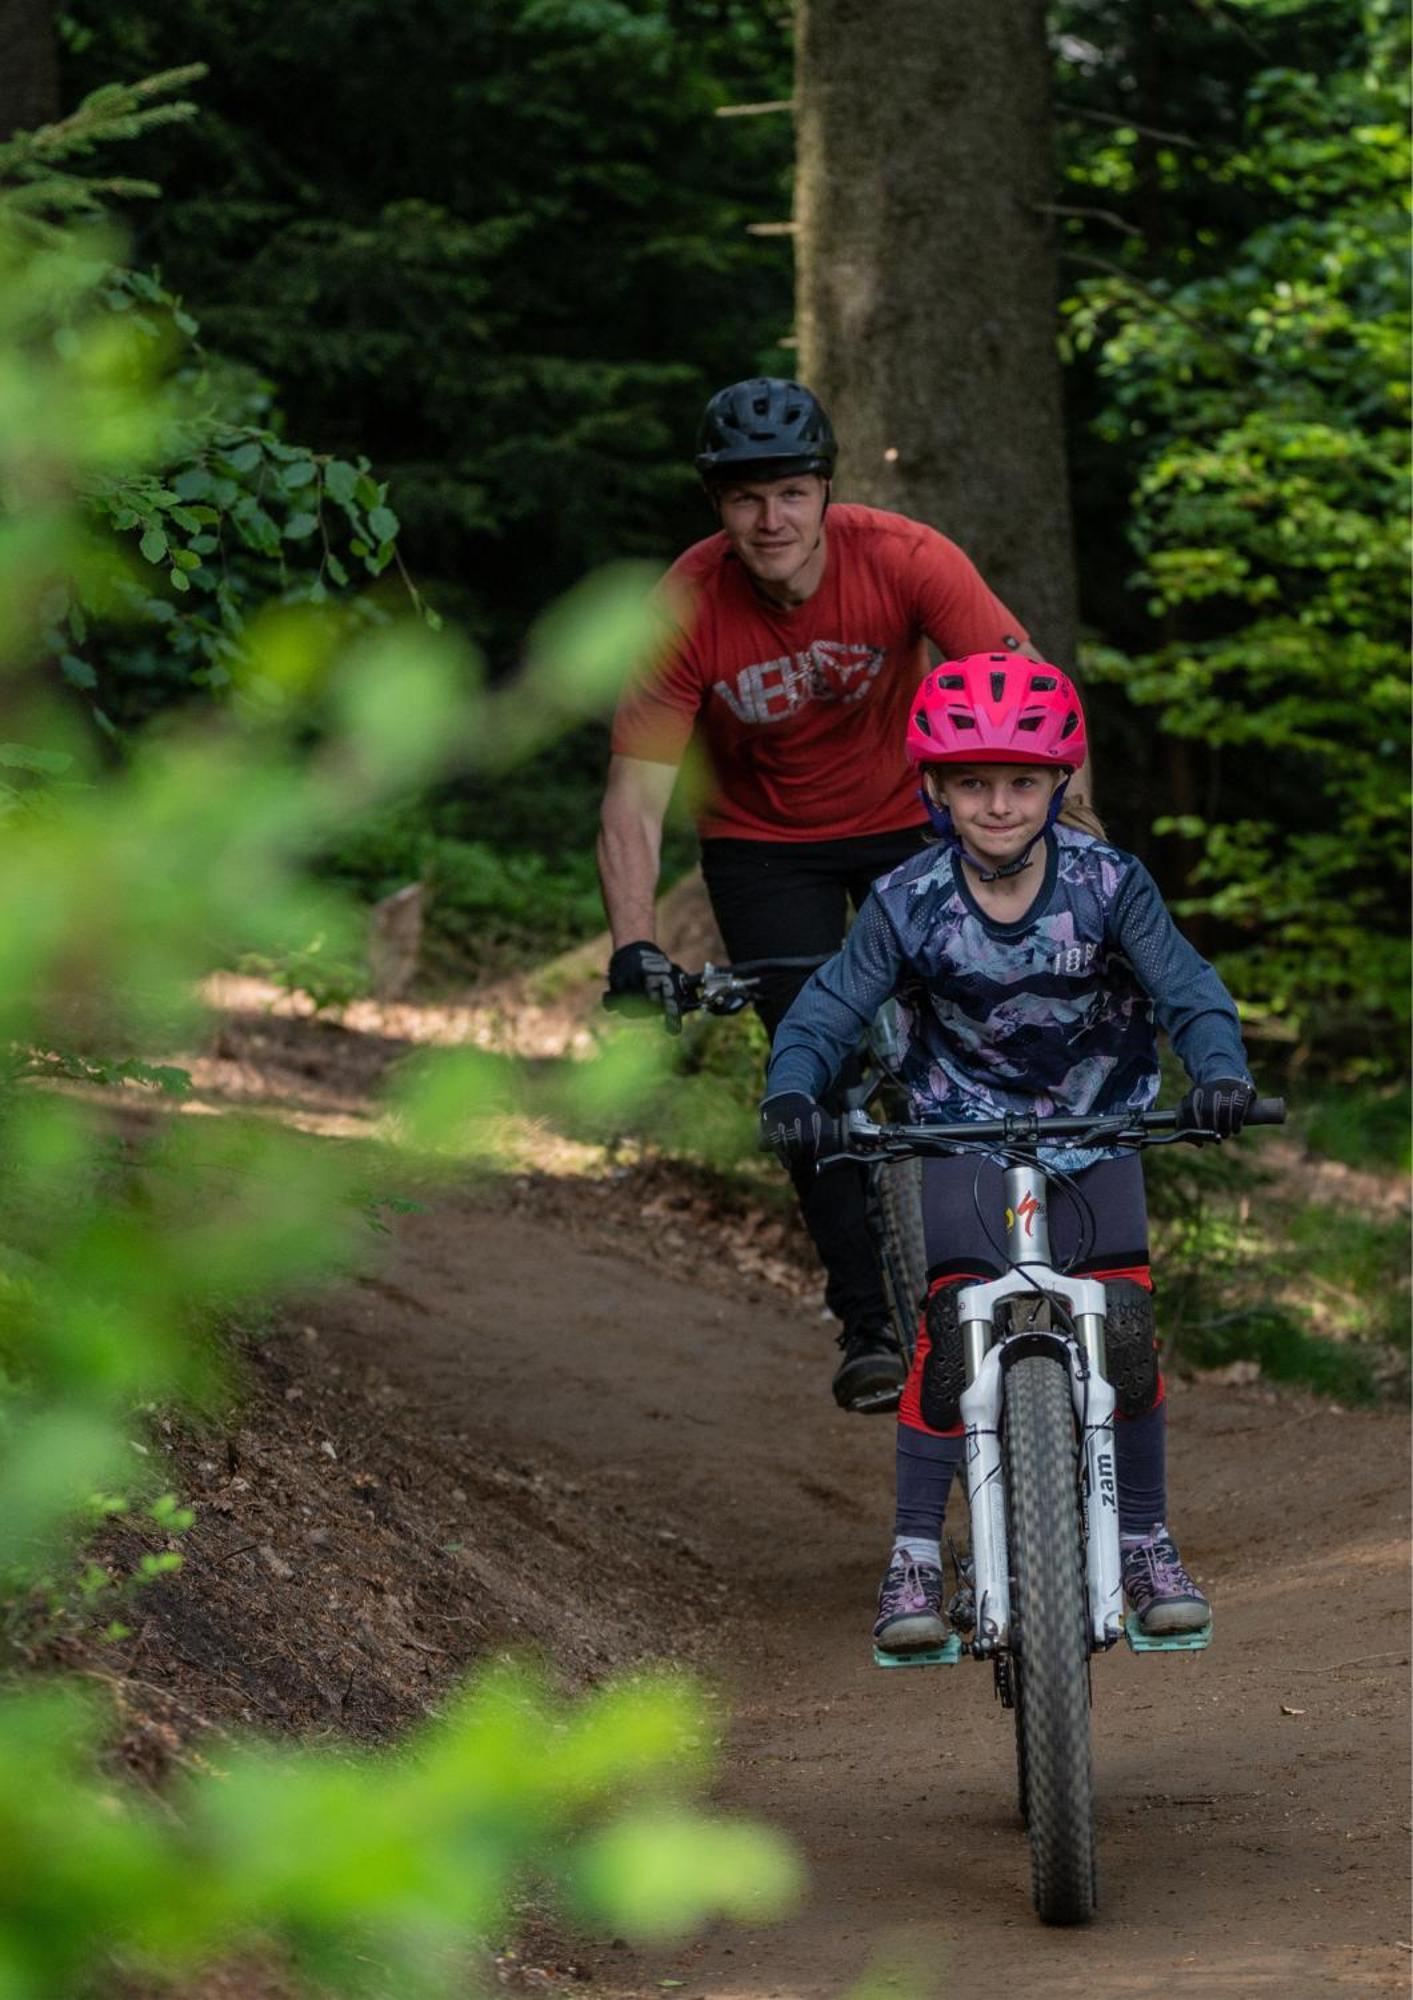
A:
[1030,961]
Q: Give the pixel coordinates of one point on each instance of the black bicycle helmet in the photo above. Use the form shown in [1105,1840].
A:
[767,429]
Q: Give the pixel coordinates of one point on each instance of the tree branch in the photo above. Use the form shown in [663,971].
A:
[1094,214]
[755,110]
[1156,298]
[1132,124]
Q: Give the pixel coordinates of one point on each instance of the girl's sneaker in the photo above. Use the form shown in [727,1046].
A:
[1162,1597]
[910,1607]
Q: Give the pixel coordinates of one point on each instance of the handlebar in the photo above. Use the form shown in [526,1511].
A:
[716,989]
[1025,1128]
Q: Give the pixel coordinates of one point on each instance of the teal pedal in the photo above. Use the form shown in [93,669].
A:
[1168,1642]
[947,1655]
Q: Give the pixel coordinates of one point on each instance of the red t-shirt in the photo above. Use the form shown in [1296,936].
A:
[802,713]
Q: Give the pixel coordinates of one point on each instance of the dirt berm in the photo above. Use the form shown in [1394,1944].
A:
[560,1413]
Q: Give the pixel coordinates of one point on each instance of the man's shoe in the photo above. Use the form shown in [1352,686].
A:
[1162,1597]
[871,1375]
[910,1607]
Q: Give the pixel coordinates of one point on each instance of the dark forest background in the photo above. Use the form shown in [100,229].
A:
[494,257]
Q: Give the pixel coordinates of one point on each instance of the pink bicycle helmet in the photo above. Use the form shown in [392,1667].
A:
[996,708]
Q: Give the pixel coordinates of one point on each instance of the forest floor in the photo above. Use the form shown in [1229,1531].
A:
[583,1410]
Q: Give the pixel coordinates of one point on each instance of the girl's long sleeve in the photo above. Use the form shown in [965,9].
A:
[833,1009]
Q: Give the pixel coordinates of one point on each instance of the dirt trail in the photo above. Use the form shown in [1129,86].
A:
[1254,1800]
[634,1437]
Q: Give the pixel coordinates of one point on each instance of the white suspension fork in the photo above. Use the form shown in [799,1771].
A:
[1029,1249]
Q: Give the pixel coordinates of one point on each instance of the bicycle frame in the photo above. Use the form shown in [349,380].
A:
[986,1360]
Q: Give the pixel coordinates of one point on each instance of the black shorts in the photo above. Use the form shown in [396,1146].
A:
[964,1218]
[790,899]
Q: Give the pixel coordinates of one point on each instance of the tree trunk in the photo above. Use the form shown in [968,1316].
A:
[29,66]
[926,280]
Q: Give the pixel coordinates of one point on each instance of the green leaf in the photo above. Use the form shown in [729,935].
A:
[300,525]
[340,481]
[299,472]
[384,523]
[78,673]
[255,527]
[244,458]
[24,757]
[154,545]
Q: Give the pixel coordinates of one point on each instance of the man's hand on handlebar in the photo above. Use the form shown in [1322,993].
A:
[1218,1106]
[642,978]
[798,1130]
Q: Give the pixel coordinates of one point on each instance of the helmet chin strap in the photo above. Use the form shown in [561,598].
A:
[942,824]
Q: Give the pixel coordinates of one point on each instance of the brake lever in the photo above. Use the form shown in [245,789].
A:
[864,1156]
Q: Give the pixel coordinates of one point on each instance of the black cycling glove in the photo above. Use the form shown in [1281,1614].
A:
[1219,1106]
[641,971]
[797,1129]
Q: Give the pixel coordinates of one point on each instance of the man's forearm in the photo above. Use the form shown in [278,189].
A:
[629,855]
[630,844]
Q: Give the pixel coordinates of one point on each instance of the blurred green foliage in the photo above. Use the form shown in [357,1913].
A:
[124,881]
[368,1872]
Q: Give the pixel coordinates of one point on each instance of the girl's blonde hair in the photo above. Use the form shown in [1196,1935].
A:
[1077,813]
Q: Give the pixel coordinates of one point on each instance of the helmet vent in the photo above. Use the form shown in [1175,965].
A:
[998,687]
[959,719]
[1043,684]
[949,681]
[1030,722]
[1071,723]
[921,722]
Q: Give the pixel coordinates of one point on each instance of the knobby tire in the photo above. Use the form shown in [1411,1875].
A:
[1050,1637]
[898,1193]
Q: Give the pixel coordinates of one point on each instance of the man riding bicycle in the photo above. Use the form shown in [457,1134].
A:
[797,635]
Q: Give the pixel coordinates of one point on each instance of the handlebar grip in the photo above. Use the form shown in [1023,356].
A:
[1265,1111]
[643,1007]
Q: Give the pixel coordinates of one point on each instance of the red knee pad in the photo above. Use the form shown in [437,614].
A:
[1141,1275]
[910,1403]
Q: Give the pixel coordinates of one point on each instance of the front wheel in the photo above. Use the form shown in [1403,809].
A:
[1050,1636]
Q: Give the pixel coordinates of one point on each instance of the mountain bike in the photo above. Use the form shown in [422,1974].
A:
[1042,1590]
[893,1190]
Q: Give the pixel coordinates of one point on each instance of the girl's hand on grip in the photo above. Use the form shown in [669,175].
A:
[1218,1106]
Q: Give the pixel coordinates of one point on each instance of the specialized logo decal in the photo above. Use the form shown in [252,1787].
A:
[1028,1211]
[832,670]
[1075,959]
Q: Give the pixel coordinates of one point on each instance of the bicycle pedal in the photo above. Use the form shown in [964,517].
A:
[948,1654]
[881,1399]
[1168,1642]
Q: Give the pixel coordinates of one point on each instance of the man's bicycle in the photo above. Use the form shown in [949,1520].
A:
[1042,1591]
[893,1184]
